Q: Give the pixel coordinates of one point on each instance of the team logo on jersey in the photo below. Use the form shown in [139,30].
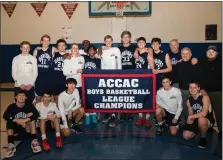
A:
[197,108]
[58,59]
[20,115]
[79,62]
[126,57]
[42,58]
[90,65]
[174,61]
[159,64]
[139,62]
[173,97]
[112,55]
[29,62]
[50,112]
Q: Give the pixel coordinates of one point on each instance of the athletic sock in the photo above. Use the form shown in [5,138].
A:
[93,114]
[33,136]
[147,116]
[87,114]
[11,139]
[113,114]
[140,115]
[160,123]
[43,136]
[58,134]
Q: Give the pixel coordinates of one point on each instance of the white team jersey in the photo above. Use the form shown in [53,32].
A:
[68,102]
[44,111]
[24,70]
[111,58]
[170,100]
[71,66]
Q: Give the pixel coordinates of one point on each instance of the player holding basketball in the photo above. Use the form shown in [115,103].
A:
[168,107]
[70,108]
[128,62]
[200,117]
[110,59]
[24,71]
[44,63]
[58,84]
[48,113]
[143,61]
[21,118]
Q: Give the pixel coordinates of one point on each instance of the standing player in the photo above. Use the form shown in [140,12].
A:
[73,67]
[85,45]
[144,61]
[70,108]
[168,107]
[110,59]
[21,117]
[200,115]
[59,80]
[24,71]
[48,113]
[128,61]
[44,61]
[91,63]
[162,62]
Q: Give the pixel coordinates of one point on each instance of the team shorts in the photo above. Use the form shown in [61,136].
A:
[169,117]
[194,126]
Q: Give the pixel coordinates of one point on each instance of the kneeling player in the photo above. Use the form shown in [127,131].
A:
[48,113]
[200,115]
[70,108]
[169,107]
[21,118]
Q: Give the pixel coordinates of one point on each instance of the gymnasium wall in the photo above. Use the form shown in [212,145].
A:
[182,20]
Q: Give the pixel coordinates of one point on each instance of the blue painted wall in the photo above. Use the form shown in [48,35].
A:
[10,51]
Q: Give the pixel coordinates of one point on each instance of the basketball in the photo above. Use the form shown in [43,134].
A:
[65,132]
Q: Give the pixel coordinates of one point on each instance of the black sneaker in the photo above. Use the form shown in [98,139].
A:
[159,129]
[130,118]
[112,122]
[202,143]
[76,129]
[106,118]
[122,118]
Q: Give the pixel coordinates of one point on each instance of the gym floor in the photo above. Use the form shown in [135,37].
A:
[126,142]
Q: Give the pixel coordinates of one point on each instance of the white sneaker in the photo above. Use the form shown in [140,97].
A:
[35,145]
[10,150]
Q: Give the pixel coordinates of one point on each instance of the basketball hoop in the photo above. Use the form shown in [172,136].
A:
[119,8]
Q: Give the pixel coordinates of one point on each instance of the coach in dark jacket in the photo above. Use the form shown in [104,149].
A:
[185,73]
[212,66]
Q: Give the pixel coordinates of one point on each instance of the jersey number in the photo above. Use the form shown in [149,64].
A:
[60,65]
[43,61]
[138,65]
[125,59]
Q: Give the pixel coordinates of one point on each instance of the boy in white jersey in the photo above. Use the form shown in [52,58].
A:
[110,60]
[74,67]
[48,113]
[168,107]
[70,108]
[24,71]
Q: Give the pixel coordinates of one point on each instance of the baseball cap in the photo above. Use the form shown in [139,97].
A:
[212,47]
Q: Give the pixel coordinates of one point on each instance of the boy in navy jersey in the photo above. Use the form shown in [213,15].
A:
[143,61]
[91,63]
[44,63]
[162,62]
[200,115]
[128,61]
[59,82]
